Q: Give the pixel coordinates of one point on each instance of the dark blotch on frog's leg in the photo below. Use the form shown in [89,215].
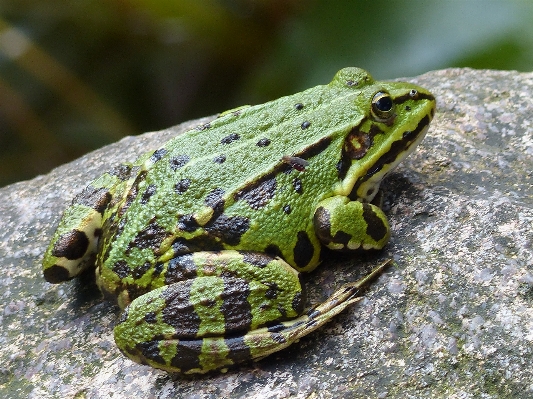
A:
[258,194]
[151,237]
[272,291]
[150,318]
[56,274]
[303,250]
[180,268]
[322,225]
[256,258]
[150,190]
[238,350]
[187,223]
[158,268]
[235,307]
[95,198]
[298,302]
[375,227]
[150,350]
[274,251]
[71,245]
[158,154]
[277,337]
[179,311]
[188,355]
[121,269]
[310,323]
[138,272]
[322,222]
[228,228]
[276,326]
[134,291]
[341,237]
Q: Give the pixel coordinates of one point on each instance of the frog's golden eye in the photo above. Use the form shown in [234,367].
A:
[382,106]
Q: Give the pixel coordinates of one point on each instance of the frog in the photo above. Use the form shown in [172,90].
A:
[203,241]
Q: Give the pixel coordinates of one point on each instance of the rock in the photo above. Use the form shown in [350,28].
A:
[452,319]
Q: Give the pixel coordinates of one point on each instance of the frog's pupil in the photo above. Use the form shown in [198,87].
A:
[384,104]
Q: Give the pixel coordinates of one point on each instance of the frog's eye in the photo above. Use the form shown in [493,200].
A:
[382,106]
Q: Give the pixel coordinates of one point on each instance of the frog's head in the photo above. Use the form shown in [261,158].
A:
[396,119]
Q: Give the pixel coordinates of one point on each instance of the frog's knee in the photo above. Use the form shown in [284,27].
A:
[67,256]
[75,241]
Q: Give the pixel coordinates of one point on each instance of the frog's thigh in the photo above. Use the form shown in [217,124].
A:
[186,326]
[342,224]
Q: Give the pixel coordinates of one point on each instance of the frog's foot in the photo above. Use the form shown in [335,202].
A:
[345,225]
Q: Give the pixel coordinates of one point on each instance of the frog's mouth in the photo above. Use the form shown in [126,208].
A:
[366,186]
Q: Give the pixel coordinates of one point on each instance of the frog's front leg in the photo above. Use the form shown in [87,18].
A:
[345,225]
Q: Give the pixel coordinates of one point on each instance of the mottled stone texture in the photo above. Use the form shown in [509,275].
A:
[453,319]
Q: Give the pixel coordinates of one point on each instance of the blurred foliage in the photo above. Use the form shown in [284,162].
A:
[75,75]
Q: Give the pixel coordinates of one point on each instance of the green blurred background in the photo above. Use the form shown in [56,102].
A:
[78,74]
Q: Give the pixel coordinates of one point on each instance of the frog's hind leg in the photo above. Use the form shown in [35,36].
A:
[212,301]
[75,241]
[239,307]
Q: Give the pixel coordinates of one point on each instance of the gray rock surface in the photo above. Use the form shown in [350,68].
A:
[453,319]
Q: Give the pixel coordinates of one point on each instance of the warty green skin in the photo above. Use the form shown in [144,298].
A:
[202,240]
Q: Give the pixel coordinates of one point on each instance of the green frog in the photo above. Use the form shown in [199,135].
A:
[203,241]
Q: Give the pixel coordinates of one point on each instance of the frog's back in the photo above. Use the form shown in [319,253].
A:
[230,184]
